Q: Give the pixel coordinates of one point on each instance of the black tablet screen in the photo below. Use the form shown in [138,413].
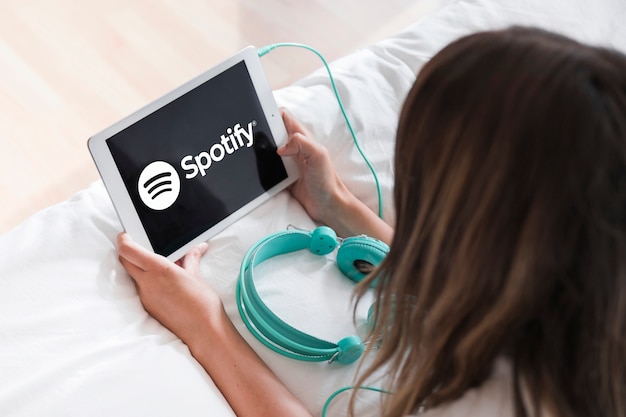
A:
[199,158]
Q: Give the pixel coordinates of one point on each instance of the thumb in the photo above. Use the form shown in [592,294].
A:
[291,148]
[191,261]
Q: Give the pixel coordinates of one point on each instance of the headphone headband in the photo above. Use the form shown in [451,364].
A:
[273,332]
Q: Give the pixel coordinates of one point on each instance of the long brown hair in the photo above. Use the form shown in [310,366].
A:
[510,238]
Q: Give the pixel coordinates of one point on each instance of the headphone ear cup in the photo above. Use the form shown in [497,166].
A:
[358,256]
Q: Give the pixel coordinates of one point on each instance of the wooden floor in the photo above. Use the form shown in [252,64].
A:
[70,68]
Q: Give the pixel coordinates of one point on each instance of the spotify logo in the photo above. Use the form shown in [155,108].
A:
[159,185]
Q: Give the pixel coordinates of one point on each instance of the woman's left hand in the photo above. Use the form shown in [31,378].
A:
[173,293]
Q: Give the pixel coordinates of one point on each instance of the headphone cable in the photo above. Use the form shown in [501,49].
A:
[348,388]
[264,50]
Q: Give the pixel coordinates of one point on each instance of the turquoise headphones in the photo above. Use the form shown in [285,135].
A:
[356,256]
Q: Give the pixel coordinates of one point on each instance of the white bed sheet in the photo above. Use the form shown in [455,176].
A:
[74,338]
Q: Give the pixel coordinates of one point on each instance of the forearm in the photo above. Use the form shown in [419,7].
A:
[349,216]
[246,382]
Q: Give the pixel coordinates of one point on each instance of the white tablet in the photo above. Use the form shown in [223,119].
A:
[186,166]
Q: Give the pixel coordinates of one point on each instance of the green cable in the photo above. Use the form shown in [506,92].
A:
[266,49]
[344,389]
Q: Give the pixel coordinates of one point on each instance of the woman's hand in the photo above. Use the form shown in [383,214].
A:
[173,293]
[320,190]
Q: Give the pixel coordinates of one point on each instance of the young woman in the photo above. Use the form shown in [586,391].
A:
[504,292]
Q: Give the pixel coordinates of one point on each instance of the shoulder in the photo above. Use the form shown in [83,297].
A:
[494,398]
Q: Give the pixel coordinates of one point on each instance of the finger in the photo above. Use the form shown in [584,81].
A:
[292,124]
[191,261]
[133,270]
[291,148]
[136,254]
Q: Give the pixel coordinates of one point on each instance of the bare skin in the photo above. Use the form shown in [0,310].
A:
[176,295]
[321,192]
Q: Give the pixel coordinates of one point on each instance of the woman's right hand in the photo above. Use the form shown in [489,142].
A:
[320,190]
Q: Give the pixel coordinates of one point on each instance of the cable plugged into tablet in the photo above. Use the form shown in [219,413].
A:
[264,50]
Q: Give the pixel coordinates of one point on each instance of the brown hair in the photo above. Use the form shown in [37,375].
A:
[510,238]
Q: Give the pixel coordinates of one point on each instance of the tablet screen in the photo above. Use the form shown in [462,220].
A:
[199,158]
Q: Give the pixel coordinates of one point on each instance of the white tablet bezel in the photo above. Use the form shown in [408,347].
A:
[113,180]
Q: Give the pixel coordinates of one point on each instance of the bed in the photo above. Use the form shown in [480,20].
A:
[74,338]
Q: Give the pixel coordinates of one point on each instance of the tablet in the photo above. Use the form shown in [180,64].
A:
[188,165]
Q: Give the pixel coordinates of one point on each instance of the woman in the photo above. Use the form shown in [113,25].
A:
[504,292]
